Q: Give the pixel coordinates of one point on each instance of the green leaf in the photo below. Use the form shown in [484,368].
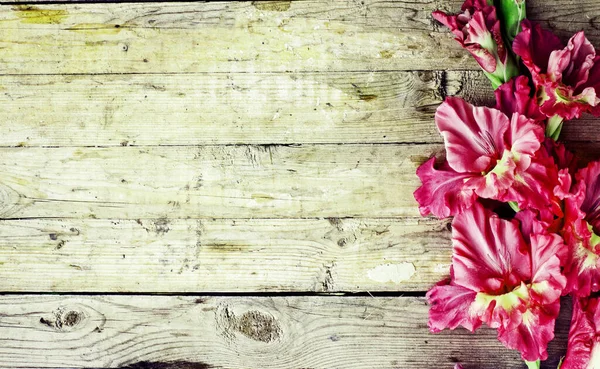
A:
[554,127]
[533,364]
[513,205]
[511,14]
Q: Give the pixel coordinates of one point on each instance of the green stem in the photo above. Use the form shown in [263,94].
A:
[554,127]
[533,364]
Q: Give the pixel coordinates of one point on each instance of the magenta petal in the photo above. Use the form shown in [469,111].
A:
[582,267]
[594,82]
[473,135]
[548,253]
[583,55]
[489,253]
[443,192]
[515,97]
[478,36]
[534,45]
[449,21]
[525,138]
[474,5]
[582,334]
[590,175]
[450,307]
[531,337]
[559,61]
[563,158]
[535,186]
[562,101]
[495,184]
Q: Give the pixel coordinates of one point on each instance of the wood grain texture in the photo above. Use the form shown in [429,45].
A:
[249,36]
[237,255]
[224,37]
[200,109]
[211,181]
[159,109]
[250,332]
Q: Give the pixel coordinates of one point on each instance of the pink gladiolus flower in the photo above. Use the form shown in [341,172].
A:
[515,96]
[500,276]
[477,29]
[584,336]
[567,78]
[489,155]
[582,225]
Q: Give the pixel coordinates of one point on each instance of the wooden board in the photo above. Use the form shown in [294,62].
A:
[229,108]
[233,149]
[176,332]
[200,109]
[217,37]
[232,255]
[312,181]
[246,37]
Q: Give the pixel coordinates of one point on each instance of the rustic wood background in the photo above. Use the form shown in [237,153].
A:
[229,184]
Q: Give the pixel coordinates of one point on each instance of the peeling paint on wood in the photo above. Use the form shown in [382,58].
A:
[395,273]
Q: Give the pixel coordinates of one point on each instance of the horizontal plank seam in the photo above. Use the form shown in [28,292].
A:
[67,2]
[270,144]
[374,294]
[328,72]
[419,218]
[223,218]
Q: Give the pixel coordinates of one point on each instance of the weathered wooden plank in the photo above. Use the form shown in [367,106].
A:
[249,332]
[250,37]
[211,181]
[238,255]
[565,17]
[225,108]
[368,14]
[198,109]
[224,37]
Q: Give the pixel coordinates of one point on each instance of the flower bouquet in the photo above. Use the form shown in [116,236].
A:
[526,211]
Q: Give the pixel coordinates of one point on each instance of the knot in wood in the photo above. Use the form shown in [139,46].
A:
[64,319]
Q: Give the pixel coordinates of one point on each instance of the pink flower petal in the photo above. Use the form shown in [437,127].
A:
[490,254]
[443,192]
[548,254]
[532,335]
[473,135]
[534,187]
[583,55]
[524,138]
[590,175]
[515,97]
[561,100]
[450,308]
[534,45]
[559,61]
[583,335]
[478,36]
